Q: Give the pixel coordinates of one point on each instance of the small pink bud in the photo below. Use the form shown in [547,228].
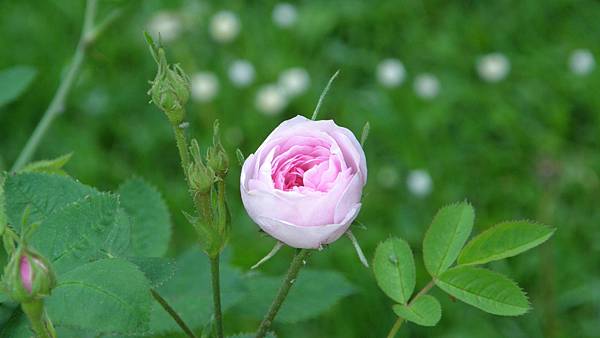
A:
[26,273]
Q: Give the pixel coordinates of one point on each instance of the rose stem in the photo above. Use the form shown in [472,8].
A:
[89,34]
[298,261]
[400,320]
[165,305]
[214,269]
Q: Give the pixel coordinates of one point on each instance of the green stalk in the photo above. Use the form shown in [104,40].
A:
[165,305]
[182,146]
[216,288]
[398,324]
[40,324]
[57,105]
[297,263]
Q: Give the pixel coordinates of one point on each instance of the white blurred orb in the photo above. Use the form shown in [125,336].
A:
[285,15]
[241,73]
[419,183]
[294,81]
[204,86]
[582,62]
[391,73]
[271,99]
[167,25]
[493,67]
[426,86]
[224,26]
[387,176]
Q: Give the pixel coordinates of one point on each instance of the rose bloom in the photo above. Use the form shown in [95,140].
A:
[304,183]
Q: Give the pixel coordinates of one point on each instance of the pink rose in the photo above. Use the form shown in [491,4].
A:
[304,183]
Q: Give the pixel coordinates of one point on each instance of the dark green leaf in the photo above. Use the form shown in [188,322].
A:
[425,311]
[151,224]
[504,240]
[447,234]
[13,82]
[394,269]
[484,289]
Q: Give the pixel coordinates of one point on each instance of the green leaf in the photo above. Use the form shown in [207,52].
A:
[151,224]
[447,234]
[54,166]
[16,325]
[425,311]
[484,289]
[189,292]
[43,193]
[157,270]
[109,295]
[314,292]
[3,217]
[394,269]
[504,240]
[14,81]
[84,231]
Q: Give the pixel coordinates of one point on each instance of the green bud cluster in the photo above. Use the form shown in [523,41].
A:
[170,89]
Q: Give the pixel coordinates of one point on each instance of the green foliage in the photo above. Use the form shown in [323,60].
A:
[14,81]
[446,236]
[156,269]
[504,240]
[394,269]
[484,289]
[425,311]
[189,292]
[109,295]
[251,335]
[314,292]
[54,166]
[150,220]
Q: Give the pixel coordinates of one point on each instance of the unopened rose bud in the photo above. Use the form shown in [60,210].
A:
[170,89]
[216,157]
[201,176]
[28,276]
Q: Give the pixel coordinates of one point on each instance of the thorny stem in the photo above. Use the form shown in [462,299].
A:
[165,305]
[298,261]
[57,105]
[398,324]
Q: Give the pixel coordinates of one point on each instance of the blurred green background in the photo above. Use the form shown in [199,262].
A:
[517,136]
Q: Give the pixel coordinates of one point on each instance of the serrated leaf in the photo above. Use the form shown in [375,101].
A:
[504,240]
[314,292]
[446,236]
[109,295]
[158,270]
[54,166]
[151,222]
[14,81]
[425,311]
[394,269]
[484,289]
[84,231]
[189,292]
[42,193]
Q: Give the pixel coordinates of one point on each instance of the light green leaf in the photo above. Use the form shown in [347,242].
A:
[109,295]
[446,235]
[394,269]
[314,292]
[54,166]
[84,231]
[151,224]
[13,82]
[43,193]
[504,240]
[425,311]
[189,292]
[157,270]
[484,289]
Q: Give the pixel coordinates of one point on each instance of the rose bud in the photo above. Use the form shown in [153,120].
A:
[28,276]
[303,185]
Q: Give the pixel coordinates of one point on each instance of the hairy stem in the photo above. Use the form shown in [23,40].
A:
[398,324]
[40,324]
[182,146]
[58,101]
[288,281]
[216,288]
[165,305]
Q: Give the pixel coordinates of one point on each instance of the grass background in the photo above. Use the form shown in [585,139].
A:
[524,148]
